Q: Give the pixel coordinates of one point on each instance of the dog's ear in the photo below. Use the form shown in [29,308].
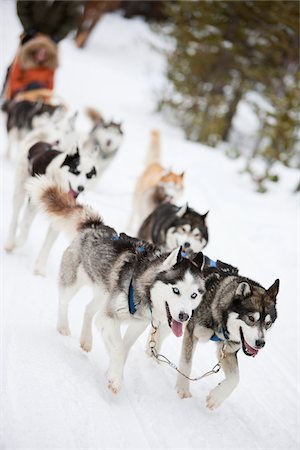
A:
[172,259]
[119,126]
[204,215]
[199,260]
[243,289]
[273,290]
[181,212]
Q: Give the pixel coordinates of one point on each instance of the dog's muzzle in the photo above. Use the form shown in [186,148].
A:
[247,349]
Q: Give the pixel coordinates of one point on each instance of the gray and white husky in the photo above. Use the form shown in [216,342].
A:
[131,280]
[237,313]
[105,139]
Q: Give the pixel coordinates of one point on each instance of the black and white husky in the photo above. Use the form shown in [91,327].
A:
[237,313]
[131,280]
[71,171]
[170,226]
[24,116]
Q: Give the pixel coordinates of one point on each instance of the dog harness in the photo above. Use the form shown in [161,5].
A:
[216,338]
[131,305]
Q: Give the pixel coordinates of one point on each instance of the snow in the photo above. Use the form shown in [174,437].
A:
[53,395]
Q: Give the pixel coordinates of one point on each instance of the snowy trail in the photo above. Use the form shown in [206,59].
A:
[53,395]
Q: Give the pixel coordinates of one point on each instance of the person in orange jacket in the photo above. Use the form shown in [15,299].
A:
[33,67]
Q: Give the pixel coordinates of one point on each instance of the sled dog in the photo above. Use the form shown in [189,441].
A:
[155,186]
[170,226]
[131,280]
[24,116]
[237,313]
[105,138]
[71,171]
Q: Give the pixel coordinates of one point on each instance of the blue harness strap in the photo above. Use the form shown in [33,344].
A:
[131,305]
[212,263]
[216,338]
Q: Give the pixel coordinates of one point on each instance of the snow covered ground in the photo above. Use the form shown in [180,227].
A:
[53,395]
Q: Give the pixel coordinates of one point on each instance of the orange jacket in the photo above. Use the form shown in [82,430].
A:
[19,79]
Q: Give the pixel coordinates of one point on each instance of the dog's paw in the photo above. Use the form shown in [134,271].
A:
[9,246]
[215,398]
[114,386]
[183,393]
[65,331]
[39,271]
[86,346]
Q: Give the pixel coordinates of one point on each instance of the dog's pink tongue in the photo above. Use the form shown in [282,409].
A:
[252,351]
[176,328]
[72,193]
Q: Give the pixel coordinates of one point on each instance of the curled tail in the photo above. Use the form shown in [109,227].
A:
[62,209]
[94,115]
[153,155]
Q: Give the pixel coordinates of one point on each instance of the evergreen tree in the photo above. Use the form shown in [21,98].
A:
[224,50]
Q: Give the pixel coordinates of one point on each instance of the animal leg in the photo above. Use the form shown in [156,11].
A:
[41,261]
[11,138]
[224,389]
[86,338]
[132,333]
[110,328]
[18,199]
[26,222]
[185,365]
[66,293]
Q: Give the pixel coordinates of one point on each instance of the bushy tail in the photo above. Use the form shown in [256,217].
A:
[94,115]
[153,155]
[62,209]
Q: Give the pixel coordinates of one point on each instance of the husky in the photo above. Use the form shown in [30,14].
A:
[235,312]
[105,138]
[155,186]
[71,171]
[24,116]
[132,281]
[170,226]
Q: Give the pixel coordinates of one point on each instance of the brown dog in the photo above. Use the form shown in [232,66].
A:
[156,185]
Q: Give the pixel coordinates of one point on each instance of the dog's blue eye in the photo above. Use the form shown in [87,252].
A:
[176,290]
[194,295]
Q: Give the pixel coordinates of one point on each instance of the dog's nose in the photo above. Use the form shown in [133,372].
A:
[186,244]
[80,188]
[183,317]
[108,142]
[260,343]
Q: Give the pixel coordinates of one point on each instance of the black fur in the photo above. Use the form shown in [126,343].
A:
[157,224]
[21,114]
[40,156]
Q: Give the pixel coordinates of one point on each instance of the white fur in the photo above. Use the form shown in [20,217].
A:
[62,178]
[251,333]
[112,310]
[183,235]
[178,303]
